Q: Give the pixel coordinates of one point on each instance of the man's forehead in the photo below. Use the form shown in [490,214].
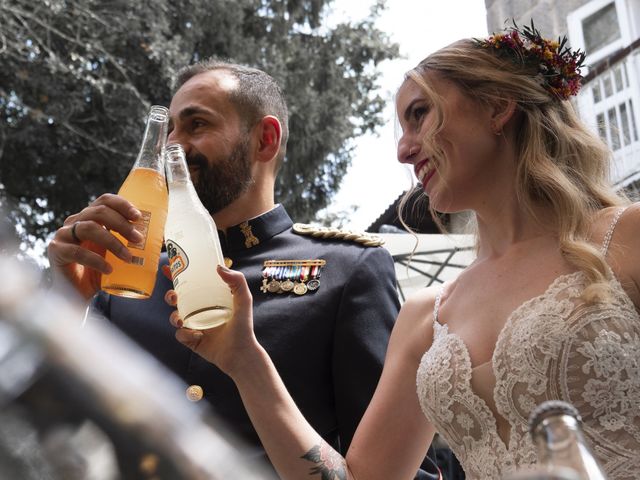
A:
[219,79]
[209,89]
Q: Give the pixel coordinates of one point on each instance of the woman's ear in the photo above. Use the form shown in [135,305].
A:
[270,136]
[502,113]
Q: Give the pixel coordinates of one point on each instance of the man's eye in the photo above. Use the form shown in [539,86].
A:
[197,123]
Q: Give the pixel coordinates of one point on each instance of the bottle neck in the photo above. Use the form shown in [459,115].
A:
[556,434]
[151,154]
[560,443]
[178,176]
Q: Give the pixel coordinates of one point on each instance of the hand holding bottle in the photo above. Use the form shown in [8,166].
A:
[232,346]
[78,248]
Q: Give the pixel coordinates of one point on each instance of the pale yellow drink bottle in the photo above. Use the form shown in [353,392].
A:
[146,188]
[193,247]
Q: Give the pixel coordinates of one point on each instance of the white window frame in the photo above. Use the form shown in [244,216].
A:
[576,34]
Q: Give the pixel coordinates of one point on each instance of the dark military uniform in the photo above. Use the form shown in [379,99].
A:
[327,344]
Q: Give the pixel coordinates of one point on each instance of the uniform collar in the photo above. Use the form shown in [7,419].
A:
[258,230]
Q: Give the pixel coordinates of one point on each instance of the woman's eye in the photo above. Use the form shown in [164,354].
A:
[419,113]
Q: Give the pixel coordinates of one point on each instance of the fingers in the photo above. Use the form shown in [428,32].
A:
[175,319]
[61,254]
[85,236]
[171,298]
[189,338]
[111,212]
[236,281]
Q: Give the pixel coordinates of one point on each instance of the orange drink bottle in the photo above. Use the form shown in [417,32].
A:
[146,188]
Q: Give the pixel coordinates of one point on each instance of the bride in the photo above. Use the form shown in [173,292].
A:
[548,310]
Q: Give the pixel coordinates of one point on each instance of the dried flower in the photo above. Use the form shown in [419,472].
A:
[557,66]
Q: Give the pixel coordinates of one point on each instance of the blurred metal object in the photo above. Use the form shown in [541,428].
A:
[59,381]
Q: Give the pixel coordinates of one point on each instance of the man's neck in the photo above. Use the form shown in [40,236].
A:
[241,210]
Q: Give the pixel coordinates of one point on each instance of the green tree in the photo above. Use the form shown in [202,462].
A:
[77,78]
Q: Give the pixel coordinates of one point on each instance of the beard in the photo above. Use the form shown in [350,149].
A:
[223,181]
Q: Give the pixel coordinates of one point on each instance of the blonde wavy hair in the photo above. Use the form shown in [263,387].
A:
[562,165]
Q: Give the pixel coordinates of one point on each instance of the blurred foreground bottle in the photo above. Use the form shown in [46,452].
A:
[145,187]
[193,246]
[556,431]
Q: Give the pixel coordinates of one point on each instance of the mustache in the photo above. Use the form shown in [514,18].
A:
[197,160]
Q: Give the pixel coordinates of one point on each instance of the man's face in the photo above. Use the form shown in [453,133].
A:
[216,144]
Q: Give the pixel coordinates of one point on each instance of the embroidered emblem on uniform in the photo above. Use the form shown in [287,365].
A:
[250,239]
[297,276]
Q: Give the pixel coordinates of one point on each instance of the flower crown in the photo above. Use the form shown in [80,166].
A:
[558,67]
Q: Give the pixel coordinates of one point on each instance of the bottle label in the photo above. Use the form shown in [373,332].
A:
[178,260]
[142,226]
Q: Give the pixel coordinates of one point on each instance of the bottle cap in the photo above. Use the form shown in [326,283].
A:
[551,408]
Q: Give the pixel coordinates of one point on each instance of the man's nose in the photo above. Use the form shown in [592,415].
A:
[173,137]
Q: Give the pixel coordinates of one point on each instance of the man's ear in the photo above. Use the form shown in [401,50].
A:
[503,111]
[269,139]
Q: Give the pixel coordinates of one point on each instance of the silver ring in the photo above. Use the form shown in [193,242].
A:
[73,233]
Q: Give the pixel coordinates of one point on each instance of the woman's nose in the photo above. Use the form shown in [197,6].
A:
[407,150]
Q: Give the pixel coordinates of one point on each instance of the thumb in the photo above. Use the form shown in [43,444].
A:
[242,299]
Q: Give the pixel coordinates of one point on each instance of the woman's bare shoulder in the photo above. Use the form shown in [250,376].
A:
[623,254]
[414,327]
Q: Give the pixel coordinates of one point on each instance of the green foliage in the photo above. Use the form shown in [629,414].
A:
[78,76]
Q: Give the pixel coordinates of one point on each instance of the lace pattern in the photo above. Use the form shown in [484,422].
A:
[552,347]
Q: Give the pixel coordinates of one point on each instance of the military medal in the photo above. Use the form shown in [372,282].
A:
[286,276]
[287,285]
[314,282]
[273,286]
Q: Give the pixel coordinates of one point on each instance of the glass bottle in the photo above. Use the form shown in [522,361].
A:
[556,431]
[145,187]
[193,247]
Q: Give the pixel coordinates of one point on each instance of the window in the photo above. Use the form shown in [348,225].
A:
[601,28]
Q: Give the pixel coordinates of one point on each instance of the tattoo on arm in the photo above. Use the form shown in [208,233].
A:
[328,463]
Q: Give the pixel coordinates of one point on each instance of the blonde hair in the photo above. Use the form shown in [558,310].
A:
[562,165]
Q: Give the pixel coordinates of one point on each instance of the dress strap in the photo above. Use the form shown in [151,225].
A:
[436,306]
[609,234]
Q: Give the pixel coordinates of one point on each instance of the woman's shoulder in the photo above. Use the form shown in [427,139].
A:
[619,221]
[414,326]
[619,231]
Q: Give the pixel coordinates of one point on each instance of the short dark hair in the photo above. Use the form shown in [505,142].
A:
[257,94]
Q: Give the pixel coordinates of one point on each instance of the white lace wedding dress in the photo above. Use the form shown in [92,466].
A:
[551,347]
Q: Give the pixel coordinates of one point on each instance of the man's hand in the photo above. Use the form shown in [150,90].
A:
[78,247]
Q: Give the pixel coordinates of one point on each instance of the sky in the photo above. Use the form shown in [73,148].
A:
[375,178]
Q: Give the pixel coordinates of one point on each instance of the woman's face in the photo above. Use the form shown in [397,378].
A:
[462,175]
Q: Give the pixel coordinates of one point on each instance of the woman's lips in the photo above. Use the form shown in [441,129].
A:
[424,171]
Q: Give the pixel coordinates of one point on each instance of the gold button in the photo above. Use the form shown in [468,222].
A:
[149,464]
[195,393]
[228,262]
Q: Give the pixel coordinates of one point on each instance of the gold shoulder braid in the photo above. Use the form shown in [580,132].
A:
[366,239]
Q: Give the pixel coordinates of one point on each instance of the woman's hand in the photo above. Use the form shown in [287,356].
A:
[229,346]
